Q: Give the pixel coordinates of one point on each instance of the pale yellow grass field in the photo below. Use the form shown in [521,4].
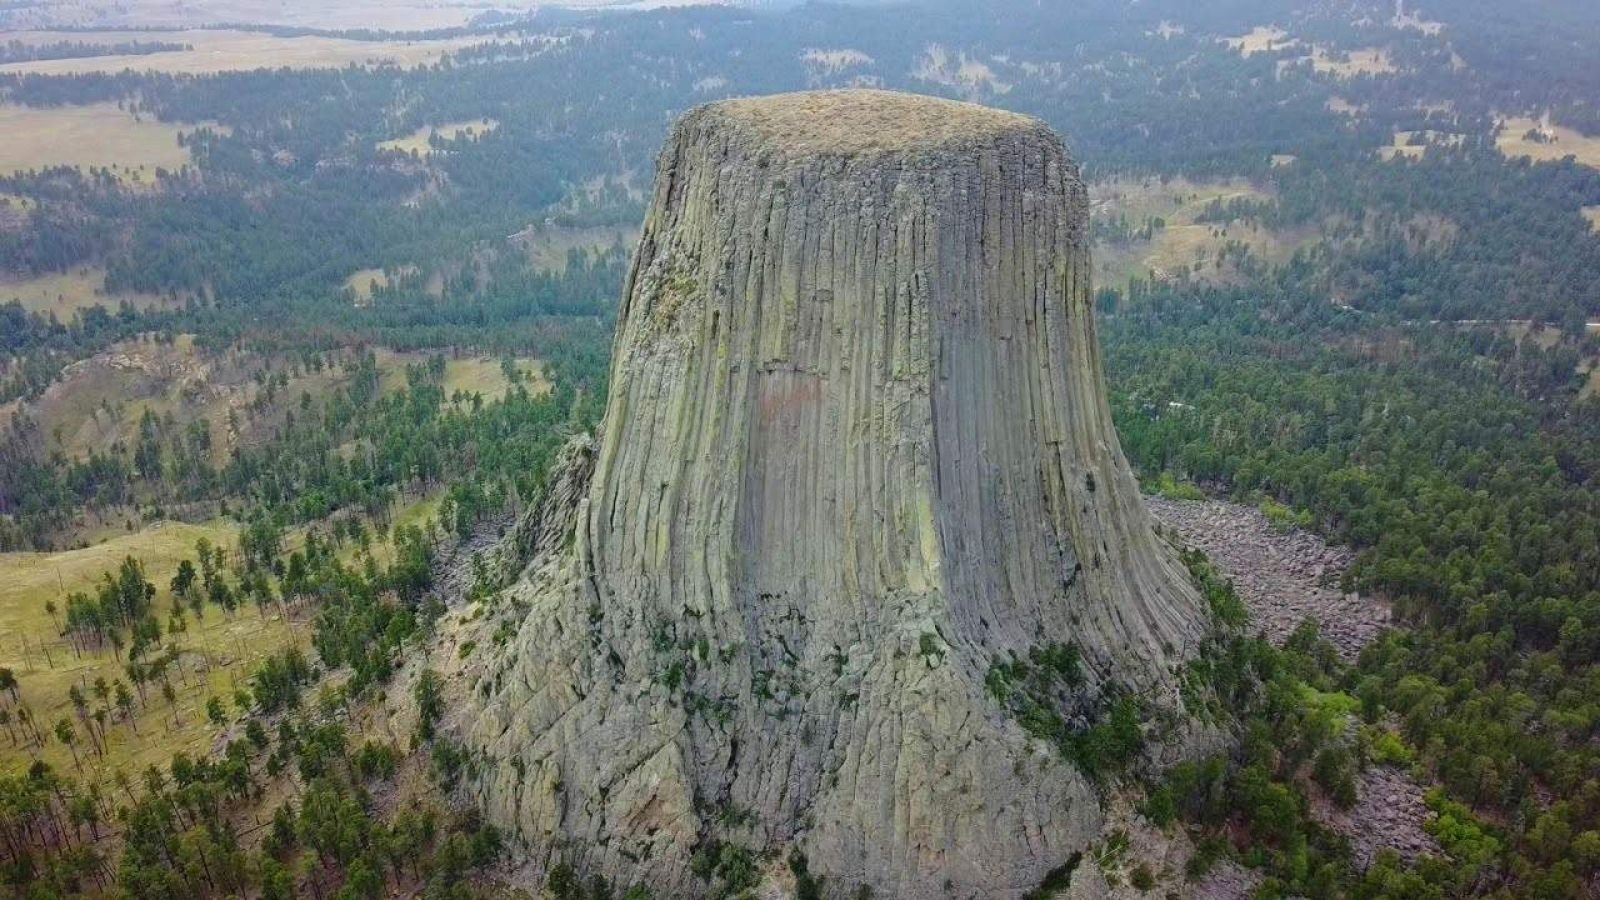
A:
[1589,368]
[64,293]
[480,375]
[219,651]
[1592,213]
[417,141]
[97,135]
[1261,39]
[229,51]
[547,248]
[1402,145]
[362,282]
[1183,243]
[1513,142]
[403,15]
[98,402]
[1414,20]
[484,376]
[1370,61]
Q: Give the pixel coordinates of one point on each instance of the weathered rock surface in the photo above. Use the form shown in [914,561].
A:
[856,447]
[1285,576]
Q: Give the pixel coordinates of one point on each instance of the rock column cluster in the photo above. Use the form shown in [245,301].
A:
[856,450]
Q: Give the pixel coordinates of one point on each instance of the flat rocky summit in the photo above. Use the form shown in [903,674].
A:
[864,122]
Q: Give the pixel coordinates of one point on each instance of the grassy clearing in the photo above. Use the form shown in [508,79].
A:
[64,293]
[390,15]
[98,402]
[1413,144]
[98,135]
[1590,369]
[832,62]
[1592,213]
[1543,141]
[1346,63]
[1183,244]
[1413,20]
[363,282]
[487,377]
[230,51]
[420,141]
[219,651]
[1343,107]
[1262,39]
[547,247]
[482,375]
[1370,61]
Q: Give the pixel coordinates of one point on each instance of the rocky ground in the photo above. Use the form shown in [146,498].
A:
[1285,576]
[1389,813]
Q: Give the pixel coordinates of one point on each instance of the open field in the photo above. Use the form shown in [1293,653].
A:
[1415,143]
[1348,64]
[485,376]
[1592,213]
[1412,19]
[402,15]
[230,51]
[547,248]
[482,375]
[1183,244]
[218,651]
[1262,39]
[1590,369]
[1554,143]
[98,402]
[419,141]
[64,293]
[1402,146]
[362,282]
[97,135]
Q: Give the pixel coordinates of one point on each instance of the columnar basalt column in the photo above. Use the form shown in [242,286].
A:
[856,449]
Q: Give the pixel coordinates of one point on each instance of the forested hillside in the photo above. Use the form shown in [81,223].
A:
[341,320]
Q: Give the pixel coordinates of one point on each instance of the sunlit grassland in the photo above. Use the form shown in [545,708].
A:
[217,652]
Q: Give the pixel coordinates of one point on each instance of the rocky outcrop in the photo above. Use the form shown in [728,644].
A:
[1284,575]
[856,449]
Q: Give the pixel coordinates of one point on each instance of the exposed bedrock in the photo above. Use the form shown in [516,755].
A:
[856,448]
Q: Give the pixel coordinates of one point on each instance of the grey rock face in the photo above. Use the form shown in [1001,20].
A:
[856,448]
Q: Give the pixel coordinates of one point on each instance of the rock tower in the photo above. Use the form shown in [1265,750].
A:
[856,451]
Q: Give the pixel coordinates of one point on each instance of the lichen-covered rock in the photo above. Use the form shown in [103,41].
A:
[856,448]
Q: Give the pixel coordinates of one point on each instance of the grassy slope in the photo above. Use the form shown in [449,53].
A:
[219,651]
